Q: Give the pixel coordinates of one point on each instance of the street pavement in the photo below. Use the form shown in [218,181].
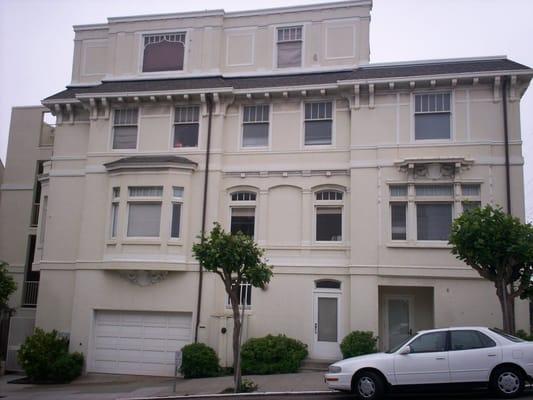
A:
[113,387]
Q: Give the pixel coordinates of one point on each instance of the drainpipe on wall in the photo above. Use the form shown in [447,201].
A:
[209,101]
[506,141]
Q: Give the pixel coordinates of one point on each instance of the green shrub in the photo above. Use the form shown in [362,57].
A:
[248,386]
[45,358]
[522,334]
[358,343]
[199,361]
[272,355]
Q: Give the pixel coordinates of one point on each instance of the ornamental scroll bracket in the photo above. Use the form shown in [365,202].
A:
[433,169]
[144,278]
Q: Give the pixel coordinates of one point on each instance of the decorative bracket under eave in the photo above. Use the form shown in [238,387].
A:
[438,168]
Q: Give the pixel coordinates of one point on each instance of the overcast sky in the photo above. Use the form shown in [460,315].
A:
[36,41]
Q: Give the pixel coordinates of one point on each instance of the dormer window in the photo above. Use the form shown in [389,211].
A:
[289,43]
[163,52]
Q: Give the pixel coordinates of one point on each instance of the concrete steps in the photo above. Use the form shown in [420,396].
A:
[310,364]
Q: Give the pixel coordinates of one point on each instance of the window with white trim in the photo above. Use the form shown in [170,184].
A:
[245,296]
[186,126]
[114,212]
[432,206]
[328,215]
[432,116]
[255,125]
[318,122]
[242,208]
[163,52]
[177,203]
[289,45]
[144,211]
[125,128]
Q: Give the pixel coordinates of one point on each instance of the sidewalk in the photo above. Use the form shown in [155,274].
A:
[111,387]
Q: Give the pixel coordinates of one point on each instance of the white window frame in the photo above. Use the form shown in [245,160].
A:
[114,219]
[329,204]
[248,296]
[241,119]
[333,124]
[140,51]
[176,200]
[173,123]
[144,200]
[455,199]
[275,46]
[112,129]
[452,116]
[235,204]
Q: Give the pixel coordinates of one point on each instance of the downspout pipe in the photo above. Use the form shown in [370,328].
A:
[209,102]
[506,144]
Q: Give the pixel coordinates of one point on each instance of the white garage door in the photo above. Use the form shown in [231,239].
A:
[139,343]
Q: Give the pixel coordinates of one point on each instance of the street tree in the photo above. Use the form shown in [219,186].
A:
[500,248]
[7,286]
[237,260]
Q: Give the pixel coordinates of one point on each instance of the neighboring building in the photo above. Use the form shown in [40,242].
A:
[30,144]
[348,174]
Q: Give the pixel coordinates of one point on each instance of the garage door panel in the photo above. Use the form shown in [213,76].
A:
[129,343]
[142,343]
[106,354]
[132,331]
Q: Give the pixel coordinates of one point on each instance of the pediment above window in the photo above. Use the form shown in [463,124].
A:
[147,163]
[439,168]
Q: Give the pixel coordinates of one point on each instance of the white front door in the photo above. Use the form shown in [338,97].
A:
[398,319]
[326,326]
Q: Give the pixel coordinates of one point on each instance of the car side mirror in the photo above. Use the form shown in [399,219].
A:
[406,350]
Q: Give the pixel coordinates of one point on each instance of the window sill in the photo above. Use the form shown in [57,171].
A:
[175,242]
[420,244]
[142,240]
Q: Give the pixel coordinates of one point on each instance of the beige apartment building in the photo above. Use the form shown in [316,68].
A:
[272,122]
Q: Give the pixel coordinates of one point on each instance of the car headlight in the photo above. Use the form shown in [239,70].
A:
[333,369]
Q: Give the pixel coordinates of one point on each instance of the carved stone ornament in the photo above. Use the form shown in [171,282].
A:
[144,278]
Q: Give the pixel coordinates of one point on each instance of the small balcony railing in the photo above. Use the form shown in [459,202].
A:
[30,292]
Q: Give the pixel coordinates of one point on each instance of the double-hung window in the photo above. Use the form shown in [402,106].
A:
[328,209]
[242,206]
[114,212]
[432,207]
[177,201]
[318,123]
[163,52]
[144,211]
[186,126]
[125,128]
[245,296]
[432,116]
[255,126]
[434,211]
[289,44]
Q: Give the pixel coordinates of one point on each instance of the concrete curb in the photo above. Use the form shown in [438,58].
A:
[223,395]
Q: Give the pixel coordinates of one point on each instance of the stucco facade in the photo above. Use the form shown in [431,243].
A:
[320,204]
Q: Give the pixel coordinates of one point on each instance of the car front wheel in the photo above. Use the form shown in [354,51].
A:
[507,382]
[369,386]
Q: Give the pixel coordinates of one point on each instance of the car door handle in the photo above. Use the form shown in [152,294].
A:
[492,355]
[440,358]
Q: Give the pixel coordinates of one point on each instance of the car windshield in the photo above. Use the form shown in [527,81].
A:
[506,335]
[400,345]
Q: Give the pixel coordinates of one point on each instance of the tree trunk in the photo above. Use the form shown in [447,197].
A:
[237,378]
[507,306]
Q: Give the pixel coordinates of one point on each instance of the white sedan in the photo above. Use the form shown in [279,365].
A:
[467,355]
